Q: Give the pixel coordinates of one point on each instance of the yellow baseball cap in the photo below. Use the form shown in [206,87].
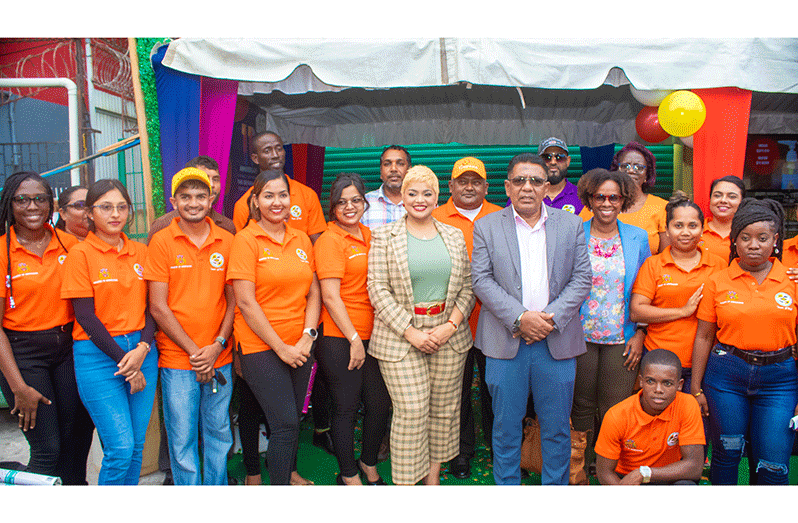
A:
[468,164]
[190,173]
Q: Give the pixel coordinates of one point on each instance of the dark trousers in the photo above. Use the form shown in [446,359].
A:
[250,417]
[467,425]
[280,390]
[347,389]
[61,439]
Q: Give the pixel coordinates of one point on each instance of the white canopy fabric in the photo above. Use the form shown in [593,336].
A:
[357,92]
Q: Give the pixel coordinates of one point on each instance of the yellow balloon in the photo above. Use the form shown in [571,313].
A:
[682,113]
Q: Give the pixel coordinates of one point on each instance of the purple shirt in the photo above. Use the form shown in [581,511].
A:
[567,200]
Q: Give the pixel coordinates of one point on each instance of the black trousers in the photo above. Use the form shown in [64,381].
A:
[280,390]
[347,388]
[61,439]
[467,425]
[250,417]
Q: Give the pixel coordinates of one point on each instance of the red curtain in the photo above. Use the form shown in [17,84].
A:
[719,146]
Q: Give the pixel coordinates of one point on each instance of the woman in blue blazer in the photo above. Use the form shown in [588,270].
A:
[606,373]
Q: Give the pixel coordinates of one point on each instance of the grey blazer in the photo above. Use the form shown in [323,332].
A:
[496,278]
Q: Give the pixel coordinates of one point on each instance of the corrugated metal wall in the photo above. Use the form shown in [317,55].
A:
[441,157]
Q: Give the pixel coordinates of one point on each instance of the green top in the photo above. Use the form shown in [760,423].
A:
[430,268]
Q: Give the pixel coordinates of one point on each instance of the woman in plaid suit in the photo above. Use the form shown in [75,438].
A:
[419,282]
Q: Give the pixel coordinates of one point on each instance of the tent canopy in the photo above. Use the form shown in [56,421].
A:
[357,92]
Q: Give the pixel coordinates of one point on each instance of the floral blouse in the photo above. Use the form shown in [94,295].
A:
[606,309]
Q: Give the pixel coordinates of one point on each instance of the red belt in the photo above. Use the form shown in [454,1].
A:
[432,310]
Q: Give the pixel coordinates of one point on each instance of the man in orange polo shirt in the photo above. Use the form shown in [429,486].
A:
[656,435]
[306,213]
[469,186]
[194,308]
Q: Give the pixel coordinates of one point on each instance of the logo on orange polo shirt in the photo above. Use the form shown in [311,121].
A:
[354,251]
[732,297]
[667,279]
[217,261]
[180,262]
[673,439]
[22,268]
[296,212]
[631,445]
[302,255]
[267,255]
[105,276]
[61,259]
[138,269]
[783,300]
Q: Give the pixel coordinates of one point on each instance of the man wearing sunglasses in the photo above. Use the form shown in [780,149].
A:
[531,270]
[560,193]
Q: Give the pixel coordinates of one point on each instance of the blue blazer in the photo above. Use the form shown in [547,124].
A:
[634,242]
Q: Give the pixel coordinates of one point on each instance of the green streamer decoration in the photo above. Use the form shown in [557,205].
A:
[147,78]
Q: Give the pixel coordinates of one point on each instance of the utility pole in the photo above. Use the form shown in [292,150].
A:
[84,117]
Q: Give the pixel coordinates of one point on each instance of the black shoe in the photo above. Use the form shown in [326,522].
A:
[167,478]
[324,441]
[365,479]
[460,467]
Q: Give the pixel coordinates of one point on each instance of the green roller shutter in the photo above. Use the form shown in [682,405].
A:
[441,157]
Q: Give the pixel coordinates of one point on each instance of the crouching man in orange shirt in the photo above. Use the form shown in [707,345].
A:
[656,435]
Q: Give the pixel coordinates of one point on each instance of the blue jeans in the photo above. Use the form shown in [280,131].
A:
[188,407]
[121,418]
[551,383]
[745,397]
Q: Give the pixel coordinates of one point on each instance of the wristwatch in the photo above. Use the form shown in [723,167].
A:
[645,471]
[517,323]
[313,333]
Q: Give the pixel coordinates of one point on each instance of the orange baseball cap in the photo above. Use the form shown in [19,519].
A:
[468,164]
[190,173]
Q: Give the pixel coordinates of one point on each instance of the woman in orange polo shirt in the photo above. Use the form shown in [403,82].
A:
[116,369]
[72,215]
[348,317]
[725,195]
[38,374]
[646,210]
[668,287]
[749,377]
[278,301]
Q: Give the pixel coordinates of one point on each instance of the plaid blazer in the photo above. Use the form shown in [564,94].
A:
[391,292]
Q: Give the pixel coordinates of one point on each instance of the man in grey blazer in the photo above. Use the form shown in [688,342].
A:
[531,270]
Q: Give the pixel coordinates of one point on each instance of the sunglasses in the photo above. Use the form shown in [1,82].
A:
[558,156]
[636,167]
[520,181]
[601,198]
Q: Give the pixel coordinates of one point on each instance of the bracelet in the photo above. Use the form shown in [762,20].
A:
[354,336]
[145,344]
[700,392]
[453,324]
[222,341]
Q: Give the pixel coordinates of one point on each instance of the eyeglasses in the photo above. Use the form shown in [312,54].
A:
[520,181]
[559,156]
[636,167]
[357,200]
[23,201]
[601,198]
[79,205]
[108,208]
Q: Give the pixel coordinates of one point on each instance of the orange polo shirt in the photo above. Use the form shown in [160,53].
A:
[346,258]
[751,316]
[37,284]
[306,214]
[448,214]
[668,286]
[94,269]
[282,274]
[714,242]
[634,438]
[196,278]
[789,258]
[650,217]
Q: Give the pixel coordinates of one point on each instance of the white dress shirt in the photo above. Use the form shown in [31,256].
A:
[534,267]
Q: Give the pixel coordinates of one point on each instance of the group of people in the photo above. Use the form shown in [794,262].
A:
[568,300]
